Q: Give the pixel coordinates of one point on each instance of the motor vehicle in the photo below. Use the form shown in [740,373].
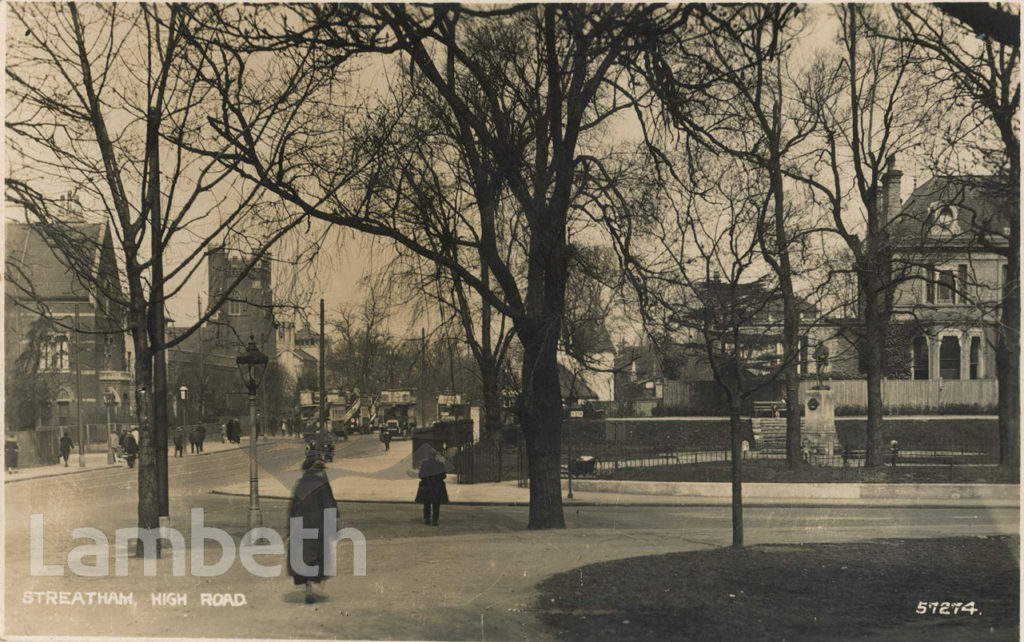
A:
[322,444]
[392,428]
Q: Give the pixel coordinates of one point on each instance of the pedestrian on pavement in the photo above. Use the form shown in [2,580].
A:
[65,448]
[11,455]
[311,498]
[895,447]
[386,438]
[131,448]
[179,442]
[432,491]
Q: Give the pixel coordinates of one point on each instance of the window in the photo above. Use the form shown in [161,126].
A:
[54,355]
[961,296]
[63,407]
[949,358]
[234,308]
[920,349]
[257,284]
[946,287]
[975,364]
[929,285]
[108,352]
[63,412]
[945,221]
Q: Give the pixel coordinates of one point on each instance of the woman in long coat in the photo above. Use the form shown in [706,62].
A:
[311,496]
[432,491]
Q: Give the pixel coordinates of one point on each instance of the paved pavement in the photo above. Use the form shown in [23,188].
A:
[473,577]
[365,472]
[380,476]
[98,461]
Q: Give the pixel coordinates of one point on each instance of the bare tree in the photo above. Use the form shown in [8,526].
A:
[699,274]
[973,63]
[868,111]
[523,112]
[102,101]
[744,112]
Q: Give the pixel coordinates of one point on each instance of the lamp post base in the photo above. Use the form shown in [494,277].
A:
[255,518]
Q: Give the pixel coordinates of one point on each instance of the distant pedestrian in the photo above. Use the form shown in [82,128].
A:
[386,438]
[131,448]
[805,452]
[179,442]
[11,455]
[895,447]
[432,491]
[65,448]
[311,499]
[195,439]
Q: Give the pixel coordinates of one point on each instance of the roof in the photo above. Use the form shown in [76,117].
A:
[32,266]
[979,205]
[746,297]
[573,387]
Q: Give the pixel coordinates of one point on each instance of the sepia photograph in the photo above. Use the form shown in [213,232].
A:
[524,321]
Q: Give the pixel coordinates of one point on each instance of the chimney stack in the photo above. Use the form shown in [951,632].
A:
[891,180]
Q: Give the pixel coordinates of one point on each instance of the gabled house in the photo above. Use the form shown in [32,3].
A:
[947,237]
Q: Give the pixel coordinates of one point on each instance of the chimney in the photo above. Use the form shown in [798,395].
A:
[70,209]
[891,189]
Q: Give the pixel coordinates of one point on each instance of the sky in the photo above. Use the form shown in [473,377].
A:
[346,259]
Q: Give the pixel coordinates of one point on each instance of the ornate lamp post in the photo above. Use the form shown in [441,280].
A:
[251,364]
[183,395]
[109,400]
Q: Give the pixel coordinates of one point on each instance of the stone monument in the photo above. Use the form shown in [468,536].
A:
[819,430]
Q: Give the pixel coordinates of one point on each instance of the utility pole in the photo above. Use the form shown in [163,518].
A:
[323,378]
[202,355]
[78,395]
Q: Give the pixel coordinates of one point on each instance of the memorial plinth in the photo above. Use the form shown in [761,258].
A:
[819,429]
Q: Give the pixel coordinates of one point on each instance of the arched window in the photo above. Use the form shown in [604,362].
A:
[946,221]
[63,407]
[920,349]
[949,358]
[975,358]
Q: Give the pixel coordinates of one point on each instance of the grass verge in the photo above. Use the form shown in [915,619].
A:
[808,592]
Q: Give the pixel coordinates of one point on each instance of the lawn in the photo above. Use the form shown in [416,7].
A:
[776,471]
[808,592]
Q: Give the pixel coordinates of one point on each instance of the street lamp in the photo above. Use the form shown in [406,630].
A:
[183,395]
[251,364]
[109,400]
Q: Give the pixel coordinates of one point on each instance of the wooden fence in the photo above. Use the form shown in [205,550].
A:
[916,395]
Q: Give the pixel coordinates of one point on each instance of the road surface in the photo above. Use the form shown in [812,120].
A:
[471,578]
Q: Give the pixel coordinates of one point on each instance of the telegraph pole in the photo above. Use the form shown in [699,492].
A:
[78,395]
[202,354]
[323,379]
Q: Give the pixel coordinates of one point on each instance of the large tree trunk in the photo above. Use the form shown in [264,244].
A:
[149,491]
[1008,357]
[491,396]
[736,442]
[873,345]
[540,416]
